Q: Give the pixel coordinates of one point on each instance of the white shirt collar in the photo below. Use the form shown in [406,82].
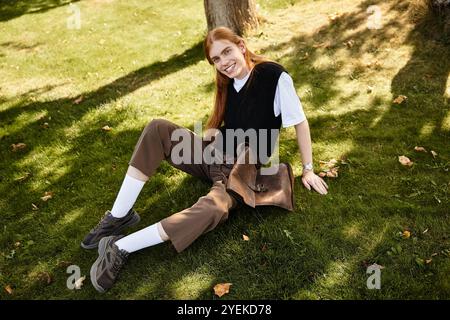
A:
[238,84]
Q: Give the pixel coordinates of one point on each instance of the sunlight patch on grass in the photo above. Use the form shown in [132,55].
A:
[446,122]
[328,150]
[69,218]
[352,231]
[427,129]
[51,159]
[144,289]
[337,274]
[23,120]
[447,91]
[192,286]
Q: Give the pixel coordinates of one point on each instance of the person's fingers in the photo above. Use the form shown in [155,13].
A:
[315,186]
[325,184]
[319,187]
[305,183]
[322,187]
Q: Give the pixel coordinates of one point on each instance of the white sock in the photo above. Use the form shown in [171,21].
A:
[140,239]
[127,196]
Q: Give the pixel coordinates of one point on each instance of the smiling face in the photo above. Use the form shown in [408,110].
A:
[228,58]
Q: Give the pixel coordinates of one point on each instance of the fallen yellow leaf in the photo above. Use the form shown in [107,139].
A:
[329,164]
[405,161]
[406,234]
[106,128]
[428,261]
[9,289]
[18,146]
[333,173]
[47,196]
[78,100]
[24,177]
[246,238]
[222,289]
[400,99]
[79,282]
[420,149]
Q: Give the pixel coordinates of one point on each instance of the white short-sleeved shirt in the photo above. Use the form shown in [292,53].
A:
[286,100]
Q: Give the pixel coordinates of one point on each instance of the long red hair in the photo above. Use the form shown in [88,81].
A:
[222,33]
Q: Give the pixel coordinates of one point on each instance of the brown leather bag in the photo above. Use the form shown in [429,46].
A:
[253,188]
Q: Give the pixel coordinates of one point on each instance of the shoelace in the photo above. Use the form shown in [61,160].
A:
[101,223]
[118,262]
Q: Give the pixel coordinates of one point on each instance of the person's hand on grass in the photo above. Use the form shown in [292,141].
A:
[310,179]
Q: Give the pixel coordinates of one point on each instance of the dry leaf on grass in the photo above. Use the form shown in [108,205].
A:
[9,289]
[246,238]
[400,99]
[78,100]
[18,146]
[434,153]
[47,196]
[222,289]
[420,149]
[106,128]
[24,177]
[406,234]
[79,282]
[405,161]
[333,173]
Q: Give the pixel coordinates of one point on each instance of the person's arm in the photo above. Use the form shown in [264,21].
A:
[288,104]
[309,178]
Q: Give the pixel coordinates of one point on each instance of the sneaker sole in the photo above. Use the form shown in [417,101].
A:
[101,250]
[135,220]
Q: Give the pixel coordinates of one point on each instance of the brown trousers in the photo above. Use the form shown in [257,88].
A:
[155,145]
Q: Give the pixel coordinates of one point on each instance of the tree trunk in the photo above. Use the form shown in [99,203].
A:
[238,15]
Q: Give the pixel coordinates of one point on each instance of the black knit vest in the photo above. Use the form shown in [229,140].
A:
[253,107]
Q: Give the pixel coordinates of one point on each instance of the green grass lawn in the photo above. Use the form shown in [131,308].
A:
[133,61]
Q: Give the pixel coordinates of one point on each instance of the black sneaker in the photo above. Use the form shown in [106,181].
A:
[109,226]
[110,260]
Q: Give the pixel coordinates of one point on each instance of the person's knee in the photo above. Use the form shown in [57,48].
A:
[159,128]
[156,124]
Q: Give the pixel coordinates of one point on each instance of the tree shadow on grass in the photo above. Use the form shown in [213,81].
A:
[10,9]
